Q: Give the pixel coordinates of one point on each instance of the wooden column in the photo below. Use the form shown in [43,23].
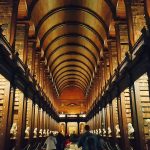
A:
[107,119]
[78,127]
[21,38]
[32,126]
[33,63]
[110,57]
[15,4]
[118,42]
[40,120]
[130,23]
[100,118]
[48,121]
[25,52]
[112,121]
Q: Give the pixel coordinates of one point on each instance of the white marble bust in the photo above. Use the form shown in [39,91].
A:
[148,125]
[117,131]
[40,133]
[96,131]
[91,131]
[109,131]
[35,133]
[13,130]
[100,132]
[104,132]
[27,131]
[130,129]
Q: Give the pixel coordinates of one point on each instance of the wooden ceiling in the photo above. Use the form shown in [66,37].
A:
[72,35]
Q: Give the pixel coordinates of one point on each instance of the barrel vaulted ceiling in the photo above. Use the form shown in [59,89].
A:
[72,35]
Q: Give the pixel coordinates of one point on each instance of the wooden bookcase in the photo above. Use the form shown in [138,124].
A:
[5,18]
[145,103]
[3,93]
[20,40]
[138,19]
[127,105]
[123,40]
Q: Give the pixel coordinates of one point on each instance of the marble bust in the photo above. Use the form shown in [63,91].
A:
[148,125]
[40,133]
[96,131]
[44,132]
[117,131]
[130,130]
[35,133]
[100,132]
[13,130]
[104,132]
[27,131]
[109,131]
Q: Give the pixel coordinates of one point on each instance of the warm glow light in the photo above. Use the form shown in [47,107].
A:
[83,115]
[61,115]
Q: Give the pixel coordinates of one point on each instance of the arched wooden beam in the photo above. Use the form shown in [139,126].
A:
[71,75]
[71,71]
[74,59]
[72,35]
[72,65]
[70,8]
[72,23]
[74,53]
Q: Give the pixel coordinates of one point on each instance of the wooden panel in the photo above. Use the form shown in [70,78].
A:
[145,103]
[5,18]
[138,19]
[20,39]
[127,105]
[4,111]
